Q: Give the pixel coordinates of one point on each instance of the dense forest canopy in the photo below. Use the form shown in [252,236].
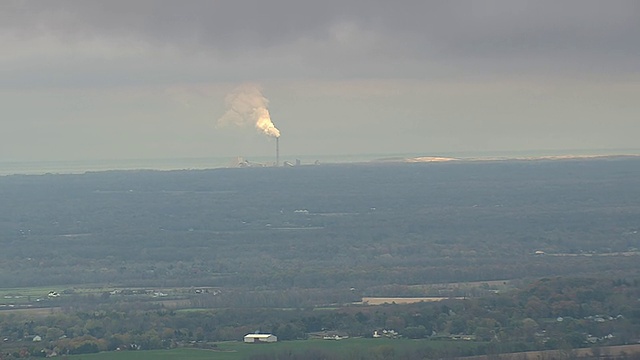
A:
[320,226]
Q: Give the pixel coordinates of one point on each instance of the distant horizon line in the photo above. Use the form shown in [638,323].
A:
[41,167]
[458,153]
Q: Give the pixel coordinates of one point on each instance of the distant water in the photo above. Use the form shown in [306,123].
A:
[82,166]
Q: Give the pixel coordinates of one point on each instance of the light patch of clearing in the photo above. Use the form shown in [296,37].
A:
[423,159]
[402,300]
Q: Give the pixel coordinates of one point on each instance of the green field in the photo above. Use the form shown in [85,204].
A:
[36,298]
[193,354]
[239,350]
[25,295]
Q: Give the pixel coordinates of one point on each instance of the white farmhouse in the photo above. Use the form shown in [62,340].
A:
[257,338]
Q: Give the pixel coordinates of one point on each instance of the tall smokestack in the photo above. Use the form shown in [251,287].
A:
[278,151]
[247,105]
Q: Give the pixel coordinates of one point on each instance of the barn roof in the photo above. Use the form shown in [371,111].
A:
[258,335]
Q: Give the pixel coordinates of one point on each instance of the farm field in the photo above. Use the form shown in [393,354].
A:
[402,300]
[240,350]
[191,354]
[606,351]
[17,296]
[44,300]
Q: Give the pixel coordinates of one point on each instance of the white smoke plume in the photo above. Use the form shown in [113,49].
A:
[247,105]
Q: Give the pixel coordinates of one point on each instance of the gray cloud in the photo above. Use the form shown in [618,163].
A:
[449,75]
[357,38]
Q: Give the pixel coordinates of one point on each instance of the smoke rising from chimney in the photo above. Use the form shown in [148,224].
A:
[246,105]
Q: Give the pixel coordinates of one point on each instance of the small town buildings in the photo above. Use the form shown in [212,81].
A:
[260,338]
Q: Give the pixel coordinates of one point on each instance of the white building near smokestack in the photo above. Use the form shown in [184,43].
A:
[260,338]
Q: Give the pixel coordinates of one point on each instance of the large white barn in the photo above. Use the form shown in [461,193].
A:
[256,338]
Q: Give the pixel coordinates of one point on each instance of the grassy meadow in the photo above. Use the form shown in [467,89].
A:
[239,350]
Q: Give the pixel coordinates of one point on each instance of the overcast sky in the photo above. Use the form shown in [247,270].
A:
[148,78]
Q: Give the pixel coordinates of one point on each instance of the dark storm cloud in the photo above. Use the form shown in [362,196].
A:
[358,37]
[213,24]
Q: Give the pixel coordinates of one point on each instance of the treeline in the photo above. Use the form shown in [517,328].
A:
[238,269]
[291,298]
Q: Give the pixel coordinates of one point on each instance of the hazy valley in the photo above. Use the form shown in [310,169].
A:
[235,242]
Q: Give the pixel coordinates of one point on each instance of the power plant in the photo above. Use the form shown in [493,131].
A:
[242,162]
[247,105]
[278,151]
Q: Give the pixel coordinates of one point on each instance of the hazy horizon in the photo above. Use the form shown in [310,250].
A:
[80,166]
